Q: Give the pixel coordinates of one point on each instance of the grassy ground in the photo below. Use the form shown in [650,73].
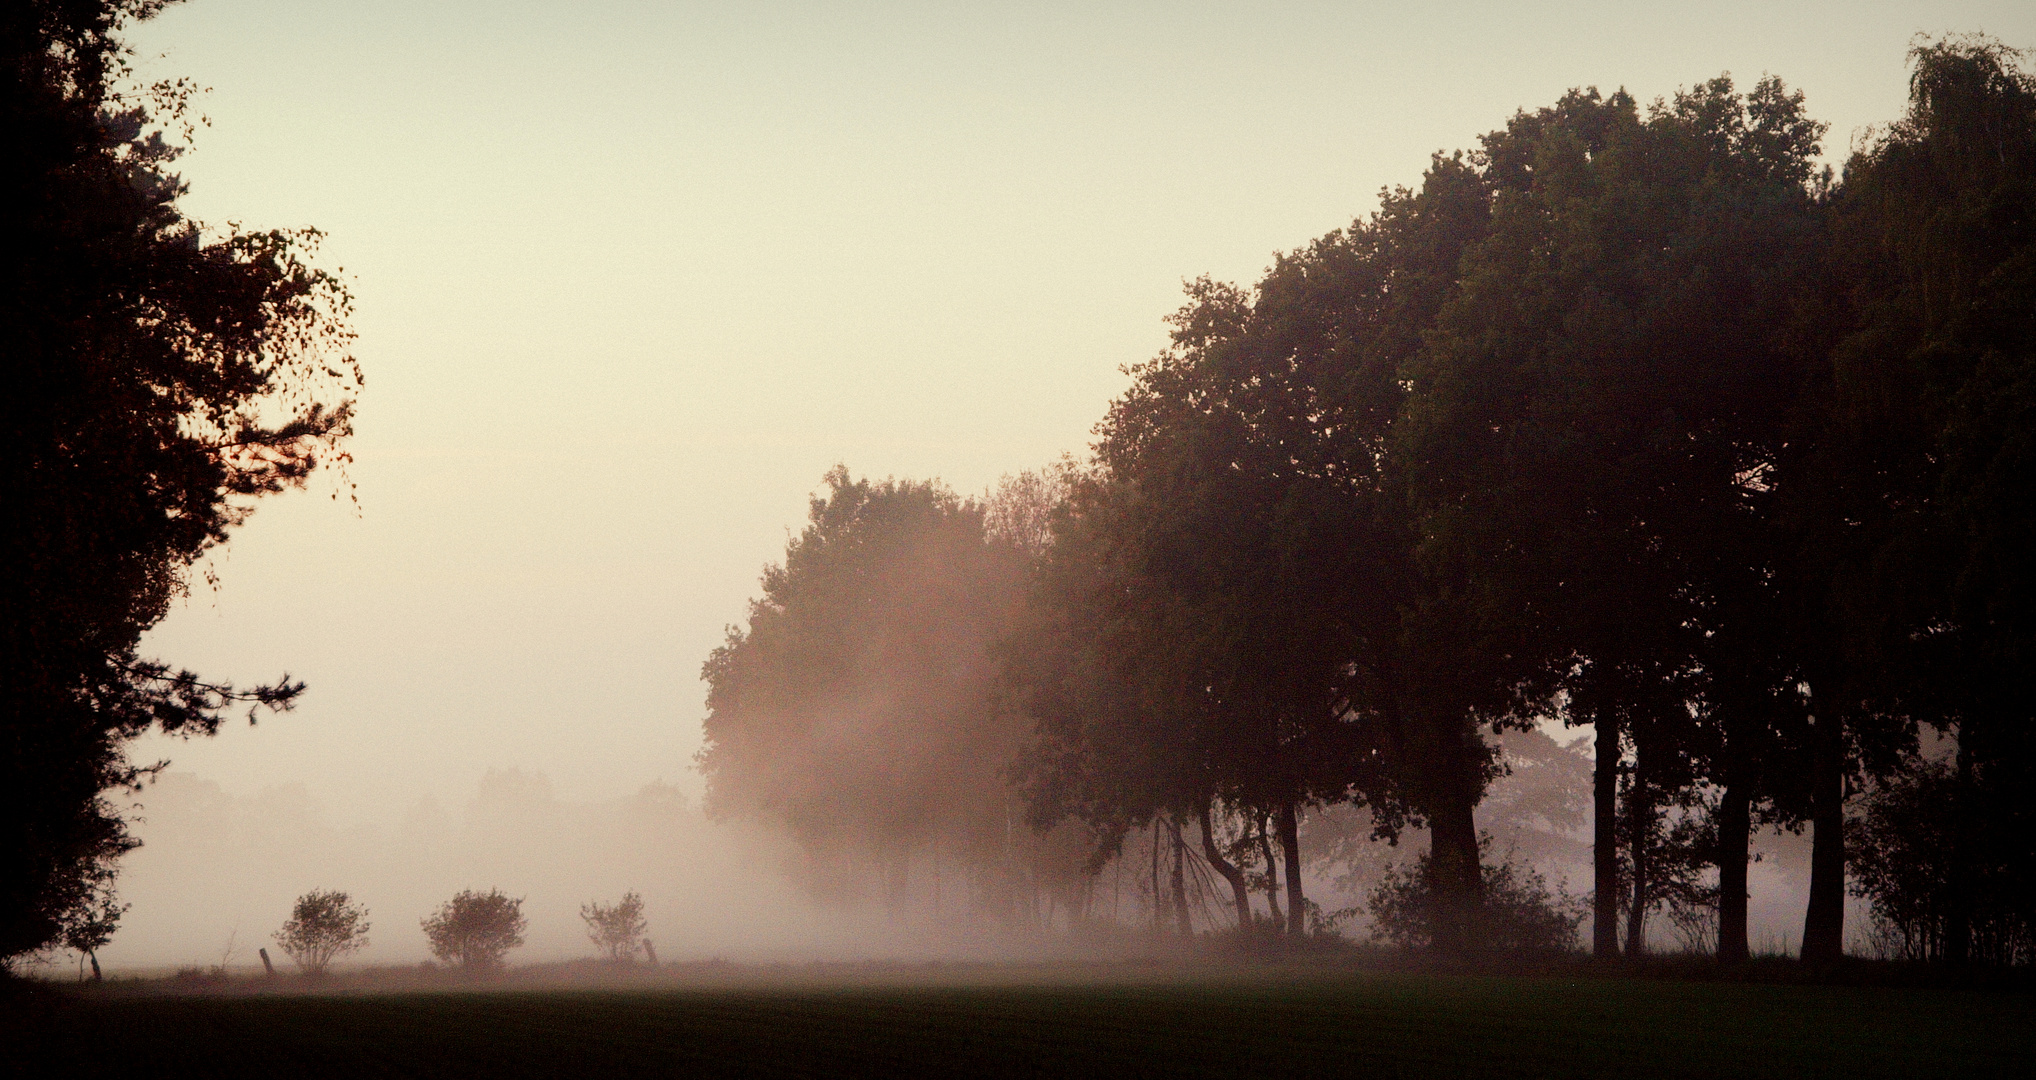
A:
[1254,1024]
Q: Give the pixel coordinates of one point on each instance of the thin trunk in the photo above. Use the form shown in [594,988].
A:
[1640,828]
[1240,893]
[1605,839]
[1180,885]
[1272,872]
[1158,899]
[1824,919]
[96,975]
[1290,840]
[1735,828]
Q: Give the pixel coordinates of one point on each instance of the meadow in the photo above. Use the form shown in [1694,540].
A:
[1118,1022]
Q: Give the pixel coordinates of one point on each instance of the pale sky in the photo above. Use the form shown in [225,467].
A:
[632,276]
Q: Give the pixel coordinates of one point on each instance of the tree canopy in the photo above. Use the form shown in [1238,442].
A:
[1630,418]
[161,377]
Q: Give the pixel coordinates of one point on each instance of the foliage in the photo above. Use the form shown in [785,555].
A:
[159,379]
[323,926]
[1902,843]
[859,709]
[475,930]
[1518,913]
[617,928]
[1934,398]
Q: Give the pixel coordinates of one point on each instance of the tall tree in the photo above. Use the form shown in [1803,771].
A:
[1934,399]
[1598,403]
[1247,561]
[159,378]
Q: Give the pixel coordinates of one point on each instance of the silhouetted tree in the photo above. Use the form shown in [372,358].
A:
[858,708]
[476,930]
[324,925]
[1902,846]
[617,928]
[1931,465]
[1592,414]
[158,379]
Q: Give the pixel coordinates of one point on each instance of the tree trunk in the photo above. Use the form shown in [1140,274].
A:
[1453,866]
[1824,919]
[1182,922]
[1640,827]
[1605,839]
[1272,870]
[1290,839]
[1158,899]
[1958,878]
[1240,893]
[1735,829]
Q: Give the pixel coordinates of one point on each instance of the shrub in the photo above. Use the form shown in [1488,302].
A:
[1901,848]
[617,929]
[325,924]
[1520,913]
[474,929]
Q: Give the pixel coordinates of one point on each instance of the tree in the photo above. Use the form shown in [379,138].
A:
[617,928]
[323,926]
[159,378]
[1594,416]
[1235,580]
[858,709]
[1930,470]
[475,930]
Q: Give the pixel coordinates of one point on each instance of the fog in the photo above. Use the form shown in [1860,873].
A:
[220,869]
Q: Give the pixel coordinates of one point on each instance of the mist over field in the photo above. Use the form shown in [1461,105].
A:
[219,870]
[222,870]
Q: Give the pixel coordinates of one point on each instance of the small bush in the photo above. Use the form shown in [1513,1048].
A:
[475,930]
[324,925]
[617,929]
[1520,913]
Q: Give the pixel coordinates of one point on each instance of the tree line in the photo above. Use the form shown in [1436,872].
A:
[1631,418]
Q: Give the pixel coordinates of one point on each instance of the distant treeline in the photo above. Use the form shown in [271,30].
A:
[1630,418]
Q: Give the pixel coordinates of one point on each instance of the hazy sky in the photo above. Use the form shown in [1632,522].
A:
[632,276]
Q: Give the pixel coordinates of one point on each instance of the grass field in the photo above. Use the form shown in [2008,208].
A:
[1380,1025]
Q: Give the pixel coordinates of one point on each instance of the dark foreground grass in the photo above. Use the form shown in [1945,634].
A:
[1373,1025]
